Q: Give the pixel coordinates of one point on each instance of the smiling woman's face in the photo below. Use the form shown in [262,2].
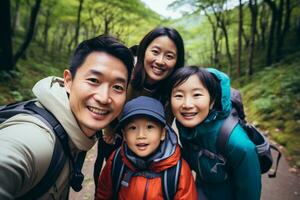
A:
[160,59]
[190,102]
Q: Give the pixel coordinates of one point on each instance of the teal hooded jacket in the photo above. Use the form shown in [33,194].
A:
[235,175]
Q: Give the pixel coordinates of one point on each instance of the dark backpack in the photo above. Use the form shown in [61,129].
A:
[119,174]
[61,150]
[263,147]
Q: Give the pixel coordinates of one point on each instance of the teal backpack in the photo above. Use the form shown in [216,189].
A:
[263,147]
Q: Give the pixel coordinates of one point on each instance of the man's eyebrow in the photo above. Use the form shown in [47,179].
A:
[95,72]
[98,73]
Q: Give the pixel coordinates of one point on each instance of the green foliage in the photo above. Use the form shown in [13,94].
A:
[272,101]
[16,95]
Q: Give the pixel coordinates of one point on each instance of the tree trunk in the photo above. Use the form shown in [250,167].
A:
[6,58]
[215,40]
[240,38]
[106,26]
[288,12]
[78,22]
[46,28]
[286,27]
[33,17]
[70,44]
[216,47]
[298,30]
[263,26]
[272,5]
[15,20]
[227,49]
[246,39]
[62,38]
[253,11]
[222,25]
[279,39]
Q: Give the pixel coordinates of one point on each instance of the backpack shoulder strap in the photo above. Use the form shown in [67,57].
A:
[10,110]
[117,172]
[56,165]
[226,129]
[170,180]
[58,158]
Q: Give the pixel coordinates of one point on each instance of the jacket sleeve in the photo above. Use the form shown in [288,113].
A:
[187,187]
[104,189]
[24,158]
[245,166]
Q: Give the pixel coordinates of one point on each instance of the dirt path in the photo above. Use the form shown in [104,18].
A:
[285,186]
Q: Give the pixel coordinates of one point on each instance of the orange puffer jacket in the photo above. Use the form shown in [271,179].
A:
[143,188]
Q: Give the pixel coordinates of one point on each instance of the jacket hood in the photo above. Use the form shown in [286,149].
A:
[225,92]
[51,93]
[167,155]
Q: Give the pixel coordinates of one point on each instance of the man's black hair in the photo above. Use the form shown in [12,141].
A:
[101,43]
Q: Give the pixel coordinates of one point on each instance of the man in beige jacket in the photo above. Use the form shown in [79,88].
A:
[90,96]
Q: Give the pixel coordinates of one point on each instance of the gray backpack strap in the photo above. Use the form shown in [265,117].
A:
[170,180]
[226,129]
[58,157]
[117,172]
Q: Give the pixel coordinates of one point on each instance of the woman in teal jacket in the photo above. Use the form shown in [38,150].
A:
[200,100]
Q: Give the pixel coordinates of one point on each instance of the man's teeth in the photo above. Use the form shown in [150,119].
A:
[98,111]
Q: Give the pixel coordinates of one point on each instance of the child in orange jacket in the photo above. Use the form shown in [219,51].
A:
[149,150]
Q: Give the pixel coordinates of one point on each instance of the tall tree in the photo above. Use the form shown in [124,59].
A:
[284,14]
[77,28]
[263,24]
[272,5]
[214,39]
[253,11]
[46,27]
[219,10]
[222,18]
[6,57]
[240,30]
[29,35]
[15,19]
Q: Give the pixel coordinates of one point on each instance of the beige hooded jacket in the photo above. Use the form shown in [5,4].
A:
[26,144]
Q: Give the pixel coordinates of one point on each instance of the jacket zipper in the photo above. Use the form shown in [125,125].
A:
[146,190]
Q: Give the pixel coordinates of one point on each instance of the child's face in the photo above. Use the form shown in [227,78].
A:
[143,135]
[190,102]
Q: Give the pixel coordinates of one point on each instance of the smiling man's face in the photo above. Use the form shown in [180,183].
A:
[97,93]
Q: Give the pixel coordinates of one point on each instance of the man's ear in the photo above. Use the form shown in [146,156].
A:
[67,80]
[163,135]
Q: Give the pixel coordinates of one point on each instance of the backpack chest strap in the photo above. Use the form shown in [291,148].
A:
[129,174]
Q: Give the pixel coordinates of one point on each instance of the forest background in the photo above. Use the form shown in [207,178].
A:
[256,42]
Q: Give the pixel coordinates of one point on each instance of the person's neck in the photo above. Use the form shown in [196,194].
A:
[150,86]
